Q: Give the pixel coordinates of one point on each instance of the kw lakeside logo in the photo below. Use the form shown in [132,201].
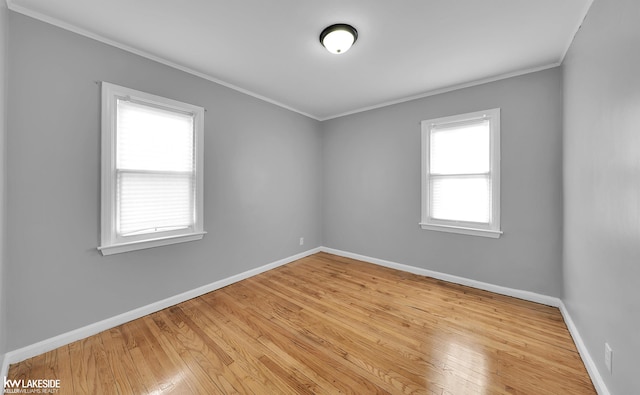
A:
[38,386]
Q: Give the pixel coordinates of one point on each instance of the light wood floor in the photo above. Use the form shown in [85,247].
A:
[327,325]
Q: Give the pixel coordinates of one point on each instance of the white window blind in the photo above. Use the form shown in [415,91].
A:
[155,169]
[461,173]
[152,180]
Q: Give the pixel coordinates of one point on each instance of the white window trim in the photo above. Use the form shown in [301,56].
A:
[110,242]
[492,229]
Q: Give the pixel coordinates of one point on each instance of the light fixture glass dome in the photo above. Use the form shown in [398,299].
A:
[338,38]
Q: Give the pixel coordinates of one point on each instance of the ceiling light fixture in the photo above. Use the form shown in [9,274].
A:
[338,38]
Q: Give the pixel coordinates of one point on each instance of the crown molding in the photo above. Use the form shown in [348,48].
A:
[13,6]
[583,14]
[83,32]
[446,89]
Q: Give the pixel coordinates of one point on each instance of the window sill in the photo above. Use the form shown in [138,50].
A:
[143,244]
[494,234]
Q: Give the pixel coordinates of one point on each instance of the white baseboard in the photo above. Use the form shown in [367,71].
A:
[596,378]
[81,333]
[594,373]
[516,293]
[92,329]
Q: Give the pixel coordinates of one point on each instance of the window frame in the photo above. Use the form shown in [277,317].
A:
[491,229]
[111,242]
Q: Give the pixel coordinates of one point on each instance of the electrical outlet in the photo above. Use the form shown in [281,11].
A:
[302,241]
[608,357]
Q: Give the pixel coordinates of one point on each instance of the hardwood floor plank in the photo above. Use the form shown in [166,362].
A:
[145,373]
[179,357]
[127,379]
[396,291]
[20,371]
[338,337]
[195,349]
[78,361]
[522,338]
[245,343]
[251,325]
[38,366]
[163,361]
[357,350]
[247,379]
[328,325]
[60,368]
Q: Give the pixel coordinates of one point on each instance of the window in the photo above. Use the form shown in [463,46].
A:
[151,170]
[461,174]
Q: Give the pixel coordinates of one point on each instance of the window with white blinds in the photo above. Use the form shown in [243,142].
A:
[151,170]
[461,174]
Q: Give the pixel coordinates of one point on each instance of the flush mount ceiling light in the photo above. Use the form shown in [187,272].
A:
[338,38]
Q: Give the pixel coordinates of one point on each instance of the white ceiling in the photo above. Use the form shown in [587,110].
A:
[270,49]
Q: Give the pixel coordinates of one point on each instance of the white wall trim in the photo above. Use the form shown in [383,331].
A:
[445,90]
[593,371]
[11,4]
[91,329]
[583,14]
[516,293]
[596,378]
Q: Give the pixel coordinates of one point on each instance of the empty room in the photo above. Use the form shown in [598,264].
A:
[332,197]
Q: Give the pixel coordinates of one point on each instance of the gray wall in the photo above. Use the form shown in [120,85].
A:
[602,188]
[3,133]
[351,183]
[262,189]
[371,199]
